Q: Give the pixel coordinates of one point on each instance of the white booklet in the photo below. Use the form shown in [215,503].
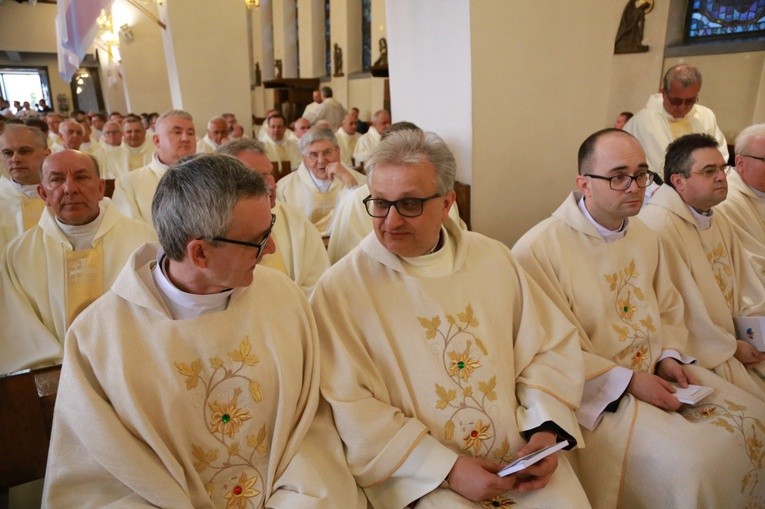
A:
[692,394]
[530,459]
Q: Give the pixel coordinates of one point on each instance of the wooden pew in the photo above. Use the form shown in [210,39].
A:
[281,169]
[109,190]
[463,201]
[26,418]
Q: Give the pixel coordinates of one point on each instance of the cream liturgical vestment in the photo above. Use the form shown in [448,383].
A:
[134,191]
[746,212]
[299,190]
[351,223]
[365,145]
[287,150]
[710,269]
[300,252]
[656,129]
[347,143]
[139,156]
[420,369]
[215,410]
[18,210]
[112,161]
[44,283]
[206,145]
[630,316]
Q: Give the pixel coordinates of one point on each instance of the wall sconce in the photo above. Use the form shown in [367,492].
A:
[252,3]
[127,33]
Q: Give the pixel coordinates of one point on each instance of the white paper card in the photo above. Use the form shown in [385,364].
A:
[530,459]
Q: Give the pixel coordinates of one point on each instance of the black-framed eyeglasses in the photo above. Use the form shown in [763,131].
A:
[761,159]
[676,101]
[623,182]
[406,207]
[259,245]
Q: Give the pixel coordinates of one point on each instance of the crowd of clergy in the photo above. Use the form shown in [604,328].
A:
[300,318]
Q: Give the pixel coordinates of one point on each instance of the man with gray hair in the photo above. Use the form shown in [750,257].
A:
[174,139]
[672,113]
[321,181]
[56,269]
[299,250]
[112,159]
[217,133]
[23,149]
[432,344]
[367,143]
[231,413]
[329,109]
[745,204]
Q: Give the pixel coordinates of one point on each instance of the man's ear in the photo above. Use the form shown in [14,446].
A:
[197,252]
[582,184]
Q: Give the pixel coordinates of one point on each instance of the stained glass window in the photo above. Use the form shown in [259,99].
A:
[724,19]
[366,34]
[327,41]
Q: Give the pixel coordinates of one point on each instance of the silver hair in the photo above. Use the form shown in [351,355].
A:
[747,136]
[233,147]
[411,147]
[195,200]
[685,74]
[174,113]
[38,135]
[315,134]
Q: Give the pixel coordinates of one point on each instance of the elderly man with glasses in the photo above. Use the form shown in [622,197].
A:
[607,271]
[745,204]
[321,181]
[708,263]
[672,113]
[442,361]
[194,382]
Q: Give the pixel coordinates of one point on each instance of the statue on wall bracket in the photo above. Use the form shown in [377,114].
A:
[629,37]
[338,58]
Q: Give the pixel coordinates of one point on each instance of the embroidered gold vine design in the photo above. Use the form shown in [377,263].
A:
[631,329]
[224,420]
[731,417]
[461,352]
[721,268]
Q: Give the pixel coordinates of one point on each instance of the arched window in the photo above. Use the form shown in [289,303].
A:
[366,35]
[327,41]
[724,19]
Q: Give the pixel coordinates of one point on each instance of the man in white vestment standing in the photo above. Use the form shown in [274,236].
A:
[313,108]
[298,249]
[707,261]
[329,109]
[745,205]
[278,145]
[194,382]
[369,141]
[23,149]
[112,160]
[672,113]
[135,144]
[442,361]
[174,139]
[56,269]
[347,138]
[321,181]
[608,273]
[217,133]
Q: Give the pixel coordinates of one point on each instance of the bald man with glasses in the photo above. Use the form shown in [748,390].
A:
[672,113]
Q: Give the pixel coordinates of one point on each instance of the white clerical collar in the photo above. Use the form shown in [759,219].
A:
[81,236]
[323,185]
[703,219]
[608,235]
[28,190]
[759,194]
[183,305]
[436,263]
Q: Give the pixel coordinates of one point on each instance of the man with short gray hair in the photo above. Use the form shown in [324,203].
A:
[299,250]
[321,181]
[56,269]
[112,160]
[217,133]
[231,414]
[367,143]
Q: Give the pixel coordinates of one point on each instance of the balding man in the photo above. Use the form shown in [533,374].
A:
[299,250]
[136,145]
[369,141]
[672,113]
[174,139]
[23,149]
[745,204]
[54,121]
[217,132]
[112,160]
[56,269]
[72,135]
[321,181]
[347,138]
[302,125]
[329,109]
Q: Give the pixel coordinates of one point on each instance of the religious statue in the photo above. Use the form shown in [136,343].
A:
[258,77]
[383,60]
[629,37]
[277,69]
[338,57]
